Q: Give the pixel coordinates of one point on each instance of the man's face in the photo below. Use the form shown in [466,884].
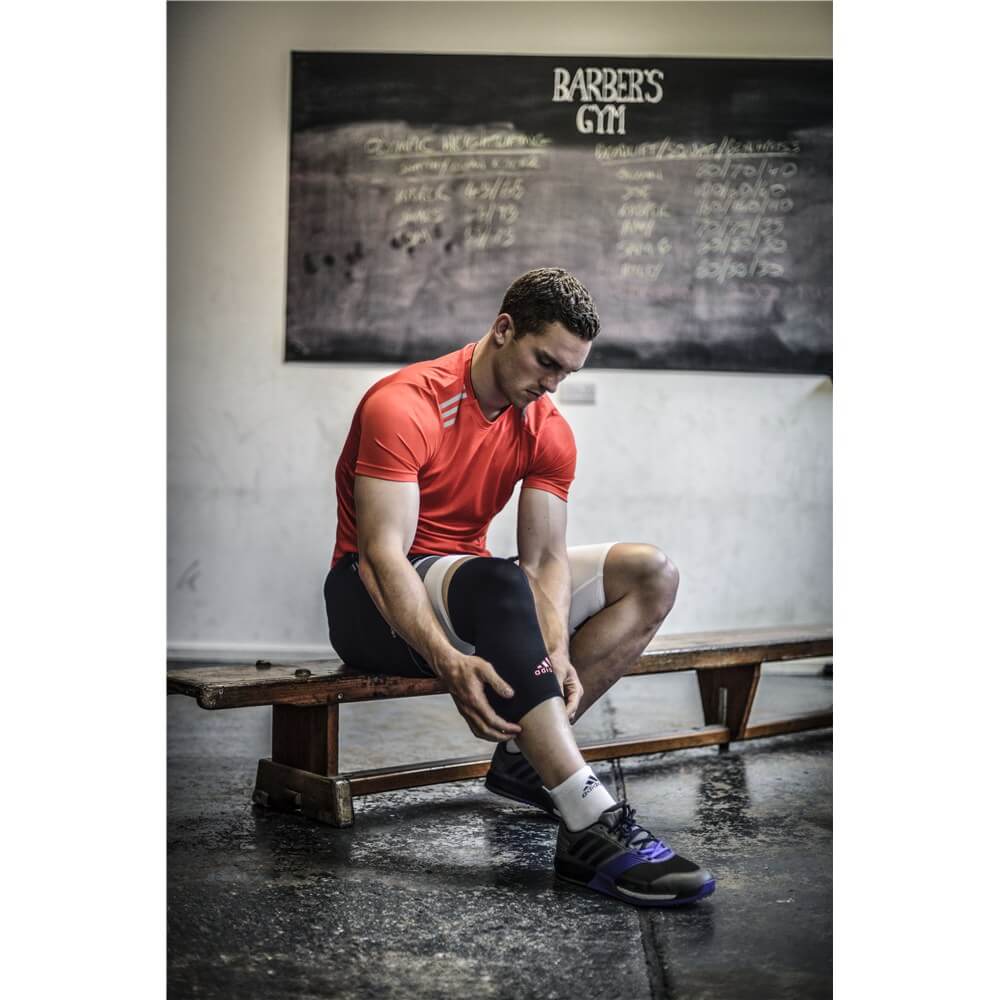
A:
[536,363]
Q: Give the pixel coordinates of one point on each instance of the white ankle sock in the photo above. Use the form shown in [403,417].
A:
[580,799]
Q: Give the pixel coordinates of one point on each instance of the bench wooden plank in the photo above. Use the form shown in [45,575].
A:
[385,779]
[318,682]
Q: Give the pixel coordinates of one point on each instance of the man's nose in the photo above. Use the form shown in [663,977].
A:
[551,382]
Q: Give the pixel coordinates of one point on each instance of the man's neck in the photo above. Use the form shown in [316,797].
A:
[491,401]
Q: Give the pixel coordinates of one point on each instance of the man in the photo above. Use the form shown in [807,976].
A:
[523,646]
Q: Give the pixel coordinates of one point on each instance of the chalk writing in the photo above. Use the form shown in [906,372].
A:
[639,253]
[457,187]
[740,217]
[738,206]
[381,147]
[670,149]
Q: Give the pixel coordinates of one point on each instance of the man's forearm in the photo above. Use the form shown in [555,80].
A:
[398,592]
[550,583]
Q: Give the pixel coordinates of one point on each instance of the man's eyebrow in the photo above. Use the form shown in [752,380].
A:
[545,356]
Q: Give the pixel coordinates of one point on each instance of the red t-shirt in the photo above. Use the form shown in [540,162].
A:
[423,424]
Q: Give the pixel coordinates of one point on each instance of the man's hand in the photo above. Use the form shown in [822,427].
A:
[568,681]
[465,678]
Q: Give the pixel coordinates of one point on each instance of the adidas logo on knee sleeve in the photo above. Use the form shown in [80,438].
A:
[545,667]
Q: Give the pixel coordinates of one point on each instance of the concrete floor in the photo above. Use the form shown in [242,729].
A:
[448,892]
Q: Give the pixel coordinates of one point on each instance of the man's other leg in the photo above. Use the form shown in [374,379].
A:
[640,587]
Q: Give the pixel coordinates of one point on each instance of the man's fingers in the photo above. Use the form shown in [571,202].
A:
[479,710]
[481,706]
[496,723]
[482,730]
[572,700]
[574,703]
[573,692]
[496,682]
[480,733]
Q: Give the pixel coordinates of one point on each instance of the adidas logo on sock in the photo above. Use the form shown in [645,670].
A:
[590,784]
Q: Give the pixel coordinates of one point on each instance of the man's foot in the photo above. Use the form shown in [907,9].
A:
[618,857]
[511,776]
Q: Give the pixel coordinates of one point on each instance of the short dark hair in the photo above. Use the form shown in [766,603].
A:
[551,295]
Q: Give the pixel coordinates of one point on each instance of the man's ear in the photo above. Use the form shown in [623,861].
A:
[503,329]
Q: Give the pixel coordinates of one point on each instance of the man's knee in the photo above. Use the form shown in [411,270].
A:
[497,588]
[650,574]
[662,579]
[658,580]
[491,606]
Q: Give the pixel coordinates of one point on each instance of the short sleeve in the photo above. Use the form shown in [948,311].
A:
[553,465]
[399,427]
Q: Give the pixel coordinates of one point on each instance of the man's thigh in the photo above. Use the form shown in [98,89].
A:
[360,635]
[587,596]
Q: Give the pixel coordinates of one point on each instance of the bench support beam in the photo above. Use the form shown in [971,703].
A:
[727,697]
[329,799]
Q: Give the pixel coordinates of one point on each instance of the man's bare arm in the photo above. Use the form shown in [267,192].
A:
[541,545]
[387,521]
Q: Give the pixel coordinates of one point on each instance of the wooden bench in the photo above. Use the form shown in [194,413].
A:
[303,770]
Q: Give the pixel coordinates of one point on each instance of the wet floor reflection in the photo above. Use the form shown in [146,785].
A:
[723,809]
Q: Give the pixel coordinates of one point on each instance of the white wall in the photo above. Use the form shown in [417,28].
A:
[729,474]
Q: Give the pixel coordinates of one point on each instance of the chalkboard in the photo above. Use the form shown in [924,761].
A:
[691,196]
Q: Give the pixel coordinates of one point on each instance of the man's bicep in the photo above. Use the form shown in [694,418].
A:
[387,514]
[541,526]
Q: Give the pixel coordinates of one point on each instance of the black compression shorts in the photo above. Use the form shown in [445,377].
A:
[360,635]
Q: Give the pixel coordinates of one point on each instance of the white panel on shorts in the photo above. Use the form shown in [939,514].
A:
[586,568]
[586,574]
[434,585]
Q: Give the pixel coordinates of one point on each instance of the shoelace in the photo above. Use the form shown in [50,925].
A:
[634,837]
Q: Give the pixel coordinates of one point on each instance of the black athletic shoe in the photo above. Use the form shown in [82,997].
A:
[618,857]
[511,776]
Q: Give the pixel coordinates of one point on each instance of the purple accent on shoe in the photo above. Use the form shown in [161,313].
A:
[604,877]
[609,889]
[608,874]
[655,850]
[611,870]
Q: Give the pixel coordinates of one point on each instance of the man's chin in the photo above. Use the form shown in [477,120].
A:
[522,399]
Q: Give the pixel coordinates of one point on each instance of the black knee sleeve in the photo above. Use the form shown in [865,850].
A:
[491,606]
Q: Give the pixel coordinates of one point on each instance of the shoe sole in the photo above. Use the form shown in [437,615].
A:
[506,793]
[604,885]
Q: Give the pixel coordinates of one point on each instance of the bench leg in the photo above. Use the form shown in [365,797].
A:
[306,737]
[727,696]
[302,771]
